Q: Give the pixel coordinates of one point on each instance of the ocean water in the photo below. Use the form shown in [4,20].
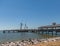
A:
[4,37]
[18,36]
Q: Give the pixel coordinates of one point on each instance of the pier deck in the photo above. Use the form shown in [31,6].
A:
[47,29]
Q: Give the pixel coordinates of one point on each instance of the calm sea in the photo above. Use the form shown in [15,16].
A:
[20,36]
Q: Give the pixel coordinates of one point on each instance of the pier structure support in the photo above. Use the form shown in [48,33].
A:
[52,33]
[8,31]
[47,31]
[53,29]
[55,32]
[41,32]
[3,31]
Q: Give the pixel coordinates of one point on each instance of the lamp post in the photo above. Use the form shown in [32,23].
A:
[21,24]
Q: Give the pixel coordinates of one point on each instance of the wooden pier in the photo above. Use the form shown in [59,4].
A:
[49,28]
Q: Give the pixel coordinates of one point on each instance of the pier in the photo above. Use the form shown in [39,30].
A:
[48,28]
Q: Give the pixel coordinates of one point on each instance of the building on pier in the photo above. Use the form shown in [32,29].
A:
[53,26]
[50,28]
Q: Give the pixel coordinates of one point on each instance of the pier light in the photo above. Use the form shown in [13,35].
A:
[21,24]
[54,23]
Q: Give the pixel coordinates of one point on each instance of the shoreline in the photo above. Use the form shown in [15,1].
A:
[31,42]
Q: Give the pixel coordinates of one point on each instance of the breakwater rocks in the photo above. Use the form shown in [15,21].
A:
[29,42]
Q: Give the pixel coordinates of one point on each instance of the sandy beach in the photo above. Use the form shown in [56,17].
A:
[35,42]
[51,43]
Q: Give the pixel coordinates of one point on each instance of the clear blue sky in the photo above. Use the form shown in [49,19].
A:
[34,13]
